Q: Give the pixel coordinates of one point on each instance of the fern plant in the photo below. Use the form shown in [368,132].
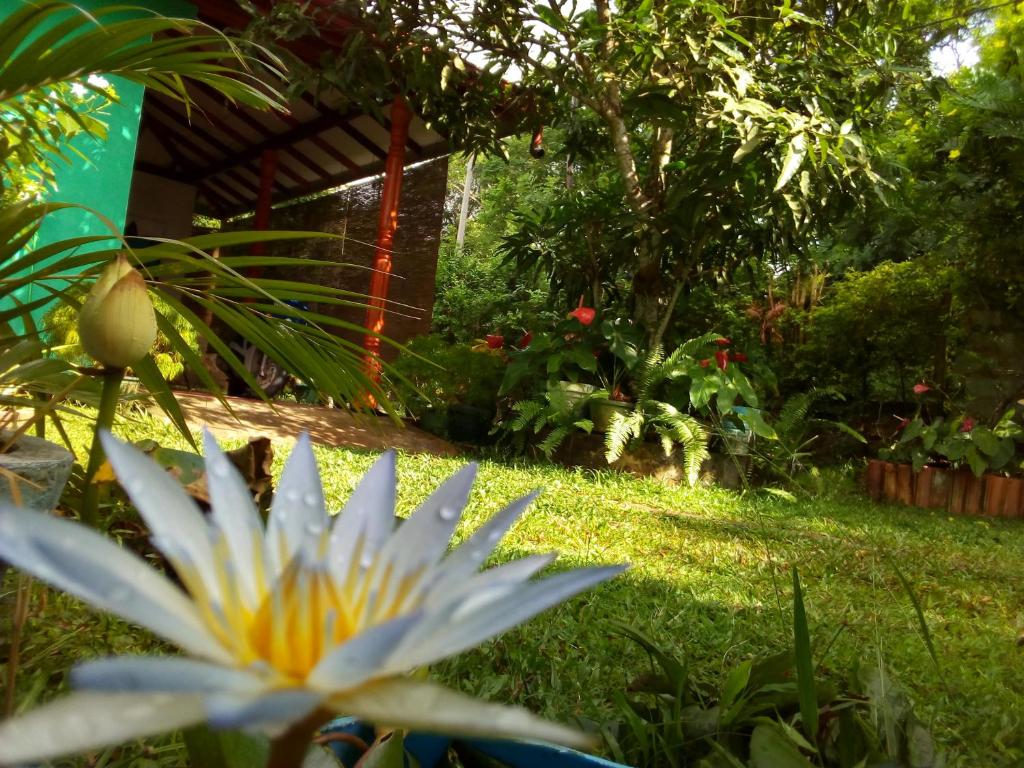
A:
[549,419]
[671,391]
[673,426]
[787,456]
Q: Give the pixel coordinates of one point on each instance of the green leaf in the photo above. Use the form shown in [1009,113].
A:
[986,440]
[386,752]
[977,462]
[804,663]
[224,749]
[755,422]
[735,683]
[771,748]
[795,154]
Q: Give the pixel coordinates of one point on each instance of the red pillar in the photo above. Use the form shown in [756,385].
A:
[261,221]
[386,226]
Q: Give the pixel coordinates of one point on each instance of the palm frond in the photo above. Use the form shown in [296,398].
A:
[48,90]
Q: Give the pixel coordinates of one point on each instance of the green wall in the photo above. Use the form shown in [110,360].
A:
[101,177]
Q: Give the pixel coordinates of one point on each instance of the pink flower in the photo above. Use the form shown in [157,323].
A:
[921,388]
[723,342]
[967,424]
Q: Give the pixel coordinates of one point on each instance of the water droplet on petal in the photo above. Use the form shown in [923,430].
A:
[366,560]
[314,529]
[292,494]
[310,499]
[447,513]
[494,536]
[220,468]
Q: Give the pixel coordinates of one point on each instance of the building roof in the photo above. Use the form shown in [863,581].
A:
[218,147]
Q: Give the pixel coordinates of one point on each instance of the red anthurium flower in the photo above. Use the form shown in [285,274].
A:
[722,358]
[705,362]
[495,341]
[967,424]
[584,314]
[525,341]
[903,424]
[738,357]
[921,388]
[723,342]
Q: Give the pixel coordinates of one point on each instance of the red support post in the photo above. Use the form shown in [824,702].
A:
[386,226]
[261,220]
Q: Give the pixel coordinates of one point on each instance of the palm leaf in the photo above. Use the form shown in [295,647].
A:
[163,54]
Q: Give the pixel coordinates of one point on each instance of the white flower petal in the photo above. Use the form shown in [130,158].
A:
[78,560]
[423,706]
[235,515]
[446,633]
[87,720]
[271,710]
[178,527]
[361,658]
[488,585]
[425,536]
[166,674]
[367,519]
[472,553]
[297,513]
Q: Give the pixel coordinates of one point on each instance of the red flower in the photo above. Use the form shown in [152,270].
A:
[495,341]
[903,424]
[705,363]
[525,341]
[967,424]
[584,314]
[738,357]
[920,389]
[723,342]
[722,358]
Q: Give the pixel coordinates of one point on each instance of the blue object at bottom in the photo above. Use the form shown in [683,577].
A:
[429,750]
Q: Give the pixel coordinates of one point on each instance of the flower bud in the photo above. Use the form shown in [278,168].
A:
[117,324]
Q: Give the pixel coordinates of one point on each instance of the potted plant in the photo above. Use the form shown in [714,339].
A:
[954,464]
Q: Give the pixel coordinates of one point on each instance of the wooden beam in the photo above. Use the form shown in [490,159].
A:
[409,142]
[387,224]
[220,204]
[159,133]
[280,141]
[362,172]
[172,111]
[261,219]
[153,169]
[342,122]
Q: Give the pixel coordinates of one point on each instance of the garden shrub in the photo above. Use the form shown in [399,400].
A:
[880,331]
[432,372]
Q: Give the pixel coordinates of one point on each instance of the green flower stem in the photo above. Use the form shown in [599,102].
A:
[289,749]
[112,378]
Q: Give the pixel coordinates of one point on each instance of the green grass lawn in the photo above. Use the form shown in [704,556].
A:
[709,578]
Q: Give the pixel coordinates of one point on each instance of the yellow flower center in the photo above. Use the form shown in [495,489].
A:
[304,615]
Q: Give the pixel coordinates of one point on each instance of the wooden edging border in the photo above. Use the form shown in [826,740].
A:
[957,491]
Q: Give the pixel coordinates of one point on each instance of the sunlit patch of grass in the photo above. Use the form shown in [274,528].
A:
[709,579]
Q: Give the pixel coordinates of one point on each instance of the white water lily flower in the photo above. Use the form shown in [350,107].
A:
[286,620]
